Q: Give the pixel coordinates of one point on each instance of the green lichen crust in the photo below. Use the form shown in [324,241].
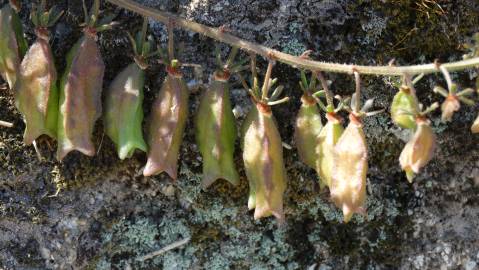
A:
[123,114]
[80,97]
[216,134]
[36,92]
[263,161]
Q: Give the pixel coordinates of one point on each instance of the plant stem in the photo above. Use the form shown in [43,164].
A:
[447,76]
[327,92]
[171,42]
[267,78]
[221,35]
[357,105]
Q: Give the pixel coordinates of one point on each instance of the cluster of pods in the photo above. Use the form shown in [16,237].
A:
[68,109]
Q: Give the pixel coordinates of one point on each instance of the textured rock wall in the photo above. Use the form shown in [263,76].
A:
[107,214]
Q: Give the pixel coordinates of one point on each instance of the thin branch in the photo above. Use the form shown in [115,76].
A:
[447,76]
[165,249]
[267,77]
[295,61]
[327,92]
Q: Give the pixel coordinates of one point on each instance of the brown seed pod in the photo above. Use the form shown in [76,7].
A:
[263,149]
[449,107]
[263,160]
[348,185]
[80,96]
[419,150]
[167,124]
[36,92]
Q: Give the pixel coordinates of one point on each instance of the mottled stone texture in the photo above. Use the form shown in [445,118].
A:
[108,214]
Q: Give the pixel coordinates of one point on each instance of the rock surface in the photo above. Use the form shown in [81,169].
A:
[107,215]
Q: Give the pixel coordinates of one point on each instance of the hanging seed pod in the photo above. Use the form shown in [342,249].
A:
[123,115]
[167,124]
[453,97]
[13,44]
[36,92]
[328,138]
[419,150]
[124,111]
[263,153]
[404,108]
[308,123]
[350,167]
[216,128]
[350,162]
[168,118]
[80,90]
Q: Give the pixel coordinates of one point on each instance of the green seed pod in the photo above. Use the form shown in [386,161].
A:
[167,124]
[348,185]
[80,96]
[123,115]
[328,138]
[36,92]
[13,44]
[307,131]
[216,133]
[404,108]
[263,161]
[419,150]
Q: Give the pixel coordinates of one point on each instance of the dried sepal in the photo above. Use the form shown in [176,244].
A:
[167,124]
[263,160]
[419,150]
[123,111]
[350,166]
[80,96]
[36,92]
[13,44]
[216,132]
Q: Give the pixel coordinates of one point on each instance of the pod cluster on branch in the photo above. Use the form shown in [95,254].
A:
[67,109]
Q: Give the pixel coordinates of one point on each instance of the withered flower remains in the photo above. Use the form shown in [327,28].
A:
[124,100]
[262,151]
[80,90]
[216,128]
[36,92]
[168,120]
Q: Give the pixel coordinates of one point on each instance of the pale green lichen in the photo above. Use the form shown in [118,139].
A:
[293,45]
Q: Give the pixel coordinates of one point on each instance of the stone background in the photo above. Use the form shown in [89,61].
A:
[107,214]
